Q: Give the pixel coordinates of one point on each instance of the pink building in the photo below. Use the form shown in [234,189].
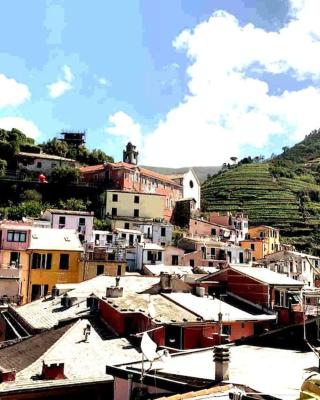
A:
[14,259]
[237,221]
[200,227]
[209,253]
[80,221]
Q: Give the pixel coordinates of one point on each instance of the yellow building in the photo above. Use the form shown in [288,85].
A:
[262,240]
[94,268]
[54,257]
[133,205]
[270,236]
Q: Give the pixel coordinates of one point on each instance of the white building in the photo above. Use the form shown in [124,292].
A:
[149,253]
[81,221]
[191,186]
[41,162]
[157,232]
[101,238]
[300,266]
[130,237]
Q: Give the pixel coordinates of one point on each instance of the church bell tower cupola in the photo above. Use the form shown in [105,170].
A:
[130,154]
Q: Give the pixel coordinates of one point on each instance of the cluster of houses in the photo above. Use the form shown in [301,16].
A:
[83,309]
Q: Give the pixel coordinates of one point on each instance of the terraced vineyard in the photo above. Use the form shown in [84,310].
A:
[289,203]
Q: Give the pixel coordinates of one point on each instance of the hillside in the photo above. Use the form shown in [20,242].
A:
[201,172]
[283,192]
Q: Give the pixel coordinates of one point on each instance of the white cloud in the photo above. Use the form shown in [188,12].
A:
[225,107]
[12,93]
[24,125]
[62,85]
[125,127]
[104,82]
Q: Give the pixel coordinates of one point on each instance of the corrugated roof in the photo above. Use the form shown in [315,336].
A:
[165,311]
[55,239]
[267,276]
[44,156]
[69,212]
[208,309]
[47,313]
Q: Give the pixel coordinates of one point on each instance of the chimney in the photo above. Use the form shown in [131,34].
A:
[165,282]
[114,292]
[53,371]
[7,375]
[221,357]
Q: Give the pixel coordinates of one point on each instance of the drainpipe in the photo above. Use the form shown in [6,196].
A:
[29,275]
[130,376]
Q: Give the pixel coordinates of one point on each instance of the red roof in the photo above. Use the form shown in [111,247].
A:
[120,164]
[92,168]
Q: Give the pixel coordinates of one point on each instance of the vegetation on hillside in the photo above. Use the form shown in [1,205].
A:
[283,191]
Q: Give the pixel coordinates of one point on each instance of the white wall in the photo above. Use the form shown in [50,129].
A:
[189,191]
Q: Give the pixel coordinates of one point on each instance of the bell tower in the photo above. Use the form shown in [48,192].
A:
[130,154]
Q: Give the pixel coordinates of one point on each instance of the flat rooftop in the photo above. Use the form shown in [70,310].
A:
[276,372]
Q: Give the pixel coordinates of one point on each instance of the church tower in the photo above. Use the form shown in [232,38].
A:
[130,154]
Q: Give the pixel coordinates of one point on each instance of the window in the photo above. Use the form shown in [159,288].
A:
[126,225]
[226,330]
[53,165]
[39,164]
[213,232]
[119,270]
[82,221]
[38,291]
[114,197]
[163,231]
[14,258]
[252,246]
[100,269]
[124,236]
[41,261]
[174,260]
[114,212]
[191,184]
[137,199]
[97,237]
[64,261]
[159,258]
[191,263]
[136,212]
[17,236]
[62,221]
[138,238]
[210,264]
[213,251]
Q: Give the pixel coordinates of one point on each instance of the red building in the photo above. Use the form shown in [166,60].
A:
[132,178]
[261,287]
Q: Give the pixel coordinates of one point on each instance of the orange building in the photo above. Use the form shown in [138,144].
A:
[262,240]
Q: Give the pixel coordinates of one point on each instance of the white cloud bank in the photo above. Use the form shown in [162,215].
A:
[225,107]
[125,127]
[62,85]
[12,94]
[29,128]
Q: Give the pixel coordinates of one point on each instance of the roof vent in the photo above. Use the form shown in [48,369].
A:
[67,239]
[35,236]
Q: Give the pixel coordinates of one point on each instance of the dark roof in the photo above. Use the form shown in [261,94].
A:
[20,355]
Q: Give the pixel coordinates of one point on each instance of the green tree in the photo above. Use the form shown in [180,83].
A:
[74,204]
[56,147]
[3,166]
[30,208]
[31,195]
[101,225]
[65,175]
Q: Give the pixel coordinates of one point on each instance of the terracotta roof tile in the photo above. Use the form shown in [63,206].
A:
[92,168]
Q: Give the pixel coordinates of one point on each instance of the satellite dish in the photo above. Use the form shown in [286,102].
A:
[24,219]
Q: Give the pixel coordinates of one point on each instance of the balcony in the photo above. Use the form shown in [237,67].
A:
[9,273]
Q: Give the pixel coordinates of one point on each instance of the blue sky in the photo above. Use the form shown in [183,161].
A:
[121,71]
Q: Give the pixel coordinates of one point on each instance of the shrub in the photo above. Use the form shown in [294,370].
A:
[65,175]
